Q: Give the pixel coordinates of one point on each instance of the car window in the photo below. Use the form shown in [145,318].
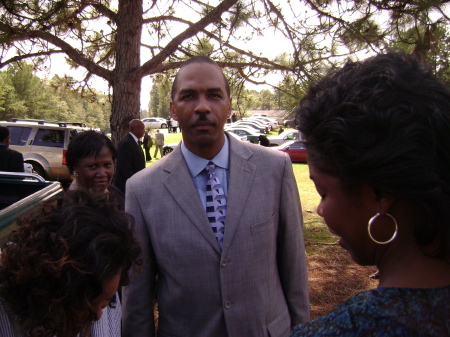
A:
[19,135]
[49,137]
[292,136]
[297,145]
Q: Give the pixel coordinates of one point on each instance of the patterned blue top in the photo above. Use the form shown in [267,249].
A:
[385,312]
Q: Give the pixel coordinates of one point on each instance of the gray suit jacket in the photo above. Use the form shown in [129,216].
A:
[257,286]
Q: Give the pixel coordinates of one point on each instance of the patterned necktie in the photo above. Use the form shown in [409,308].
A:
[216,204]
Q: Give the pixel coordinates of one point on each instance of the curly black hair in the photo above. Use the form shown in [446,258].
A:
[55,263]
[385,122]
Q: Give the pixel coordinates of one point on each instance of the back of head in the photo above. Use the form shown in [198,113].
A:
[385,122]
[4,133]
[86,144]
[58,259]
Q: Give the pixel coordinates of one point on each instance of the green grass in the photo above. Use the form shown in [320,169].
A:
[315,230]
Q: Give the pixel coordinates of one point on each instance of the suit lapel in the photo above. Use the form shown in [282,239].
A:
[242,173]
[180,185]
[141,152]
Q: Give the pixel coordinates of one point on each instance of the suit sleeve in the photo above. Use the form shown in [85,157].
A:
[139,296]
[125,159]
[291,253]
[17,165]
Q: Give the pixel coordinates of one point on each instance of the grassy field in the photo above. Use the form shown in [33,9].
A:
[333,276]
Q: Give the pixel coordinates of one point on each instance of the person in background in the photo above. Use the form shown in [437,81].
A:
[60,270]
[130,157]
[377,134]
[280,129]
[169,125]
[159,143]
[264,141]
[90,157]
[174,126]
[10,160]
[220,224]
[148,143]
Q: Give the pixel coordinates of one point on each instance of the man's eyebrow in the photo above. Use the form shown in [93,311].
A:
[186,91]
[215,90]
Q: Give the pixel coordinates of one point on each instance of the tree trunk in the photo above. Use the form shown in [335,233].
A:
[126,87]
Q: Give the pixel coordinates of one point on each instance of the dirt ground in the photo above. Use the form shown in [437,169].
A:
[334,277]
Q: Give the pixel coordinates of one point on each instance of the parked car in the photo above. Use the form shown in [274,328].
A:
[20,193]
[252,135]
[295,149]
[154,123]
[254,124]
[43,144]
[270,121]
[289,123]
[286,135]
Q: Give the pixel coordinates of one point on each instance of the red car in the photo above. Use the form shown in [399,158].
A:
[295,149]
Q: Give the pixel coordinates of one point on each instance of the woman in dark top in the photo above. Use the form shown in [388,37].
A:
[90,157]
[378,137]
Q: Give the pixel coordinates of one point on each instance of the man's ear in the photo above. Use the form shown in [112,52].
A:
[229,108]
[172,111]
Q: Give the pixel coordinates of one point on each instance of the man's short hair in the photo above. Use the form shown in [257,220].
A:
[4,132]
[198,59]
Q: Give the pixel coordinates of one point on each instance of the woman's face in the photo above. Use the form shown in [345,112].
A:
[96,172]
[110,288]
[346,215]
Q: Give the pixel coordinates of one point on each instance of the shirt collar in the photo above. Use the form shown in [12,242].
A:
[134,137]
[197,164]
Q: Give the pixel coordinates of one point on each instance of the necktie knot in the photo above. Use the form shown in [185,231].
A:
[210,168]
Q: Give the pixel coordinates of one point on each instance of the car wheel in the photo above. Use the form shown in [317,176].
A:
[39,170]
[163,126]
[167,150]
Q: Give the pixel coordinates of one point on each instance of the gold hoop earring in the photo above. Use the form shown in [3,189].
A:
[372,220]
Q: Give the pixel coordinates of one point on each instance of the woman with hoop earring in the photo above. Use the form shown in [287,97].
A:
[378,141]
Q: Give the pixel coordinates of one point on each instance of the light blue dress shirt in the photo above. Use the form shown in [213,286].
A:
[196,166]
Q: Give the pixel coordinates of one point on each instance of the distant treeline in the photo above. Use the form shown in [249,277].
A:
[24,95]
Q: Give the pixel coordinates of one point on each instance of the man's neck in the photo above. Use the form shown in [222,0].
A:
[206,152]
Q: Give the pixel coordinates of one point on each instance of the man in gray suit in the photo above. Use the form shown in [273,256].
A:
[246,278]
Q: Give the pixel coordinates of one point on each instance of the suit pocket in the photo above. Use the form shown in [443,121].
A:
[280,326]
[265,225]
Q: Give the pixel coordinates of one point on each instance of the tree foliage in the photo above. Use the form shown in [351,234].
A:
[124,40]
[24,95]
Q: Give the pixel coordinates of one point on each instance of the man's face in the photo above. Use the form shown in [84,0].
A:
[201,106]
[138,129]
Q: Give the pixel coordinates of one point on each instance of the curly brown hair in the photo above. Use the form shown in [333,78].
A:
[55,263]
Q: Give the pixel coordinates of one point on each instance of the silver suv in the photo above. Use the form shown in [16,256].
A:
[44,144]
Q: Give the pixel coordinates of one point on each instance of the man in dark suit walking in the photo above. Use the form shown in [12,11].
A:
[10,160]
[130,157]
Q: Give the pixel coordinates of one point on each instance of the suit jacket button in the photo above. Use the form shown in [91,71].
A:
[227,304]
[224,263]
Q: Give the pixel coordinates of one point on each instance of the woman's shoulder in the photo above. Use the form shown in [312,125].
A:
[110,322]
[392,311]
